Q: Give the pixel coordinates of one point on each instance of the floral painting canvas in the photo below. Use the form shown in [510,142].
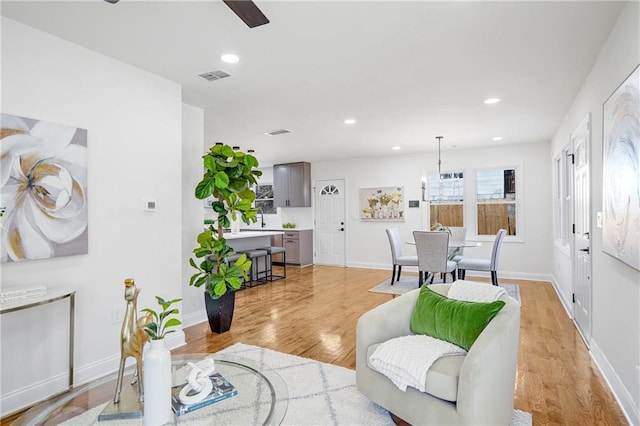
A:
[43,167]
[621,168]
[386,204]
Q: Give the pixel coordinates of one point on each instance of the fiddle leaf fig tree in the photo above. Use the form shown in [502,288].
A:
[228,177]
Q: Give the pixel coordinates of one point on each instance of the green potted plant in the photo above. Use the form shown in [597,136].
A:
[228,178]
[160,324]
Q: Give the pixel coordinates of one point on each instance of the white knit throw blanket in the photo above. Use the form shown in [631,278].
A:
[472,291]
[406,360]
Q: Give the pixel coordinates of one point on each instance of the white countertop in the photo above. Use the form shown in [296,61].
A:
[250,234]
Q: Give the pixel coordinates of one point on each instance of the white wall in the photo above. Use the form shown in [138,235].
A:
[367,243]
[192,210]
[615,343]
[133,120]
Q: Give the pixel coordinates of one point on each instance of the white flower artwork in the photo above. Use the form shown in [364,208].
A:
[43,172]
[386,204]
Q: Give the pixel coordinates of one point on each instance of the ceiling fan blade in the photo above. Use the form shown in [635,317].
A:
[248,12]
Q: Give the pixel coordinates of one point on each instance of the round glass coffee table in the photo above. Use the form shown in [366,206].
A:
[261,399]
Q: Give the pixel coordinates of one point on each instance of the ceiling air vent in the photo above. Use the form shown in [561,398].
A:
[214,75]
[278,132]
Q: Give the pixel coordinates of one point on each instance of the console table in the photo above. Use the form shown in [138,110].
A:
[52,295]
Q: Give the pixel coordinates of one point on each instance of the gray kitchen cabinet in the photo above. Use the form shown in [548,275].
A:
[292,185]
[298,246]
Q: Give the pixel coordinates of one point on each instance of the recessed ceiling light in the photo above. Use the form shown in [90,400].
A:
[497,138]
[491,101]
[349,121]
[229,58]
[395,148]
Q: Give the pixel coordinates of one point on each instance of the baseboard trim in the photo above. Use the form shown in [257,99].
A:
[621,394]
[194,318]
[27,396]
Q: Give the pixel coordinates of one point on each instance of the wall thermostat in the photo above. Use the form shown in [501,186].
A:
[414,203]
[149,205]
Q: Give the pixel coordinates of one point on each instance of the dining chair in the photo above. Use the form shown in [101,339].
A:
[398,258]
[488,265]
[458,233]
[432,248]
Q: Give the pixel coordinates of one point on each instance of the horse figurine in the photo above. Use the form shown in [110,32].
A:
[132,338]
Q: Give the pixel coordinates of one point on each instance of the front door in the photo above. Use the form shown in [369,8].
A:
[580,140]
[330,226]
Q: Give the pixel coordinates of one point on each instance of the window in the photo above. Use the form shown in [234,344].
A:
[567,204]
[496,201]
[264,199]
[446,199]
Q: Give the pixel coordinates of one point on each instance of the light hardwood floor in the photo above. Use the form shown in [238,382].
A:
[313,314]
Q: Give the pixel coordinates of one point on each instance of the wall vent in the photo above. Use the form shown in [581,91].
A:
[214,75]
[278,132]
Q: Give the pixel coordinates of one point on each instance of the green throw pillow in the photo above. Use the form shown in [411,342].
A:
[455,321]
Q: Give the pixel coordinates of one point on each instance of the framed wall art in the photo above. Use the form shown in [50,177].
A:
[44,189]
[621,168]
[382,204]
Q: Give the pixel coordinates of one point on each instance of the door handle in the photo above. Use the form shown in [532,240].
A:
[585,250]
[341,229]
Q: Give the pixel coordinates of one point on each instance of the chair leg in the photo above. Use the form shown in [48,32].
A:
[420,279]
[399,272]
[461,273]
[494,277]
[393,274]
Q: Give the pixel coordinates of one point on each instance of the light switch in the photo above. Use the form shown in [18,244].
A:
[599,219]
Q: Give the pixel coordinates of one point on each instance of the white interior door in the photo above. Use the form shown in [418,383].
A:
[330,224]
[582,231]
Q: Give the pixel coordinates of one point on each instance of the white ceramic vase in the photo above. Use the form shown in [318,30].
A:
[235,226]
[156,370]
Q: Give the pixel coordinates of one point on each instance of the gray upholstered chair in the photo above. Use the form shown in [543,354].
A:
[398,258]
[488,265]
[458,233]
[432,248]
[472,389]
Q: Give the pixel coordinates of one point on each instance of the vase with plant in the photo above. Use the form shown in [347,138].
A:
[228,178]
[157,363]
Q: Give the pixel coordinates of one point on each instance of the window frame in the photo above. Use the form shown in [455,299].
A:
[427,193]
[472,231]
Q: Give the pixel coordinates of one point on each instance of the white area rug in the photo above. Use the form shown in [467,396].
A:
[319,394]
[411,283]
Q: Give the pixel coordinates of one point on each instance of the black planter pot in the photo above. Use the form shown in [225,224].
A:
[220,311]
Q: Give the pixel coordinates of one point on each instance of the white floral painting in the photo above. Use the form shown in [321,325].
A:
[386,204]
[621,168]
[43,167]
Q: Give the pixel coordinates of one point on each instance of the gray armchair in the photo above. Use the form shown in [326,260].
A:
[472,389]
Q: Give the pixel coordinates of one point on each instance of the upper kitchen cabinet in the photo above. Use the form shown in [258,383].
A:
[292,185]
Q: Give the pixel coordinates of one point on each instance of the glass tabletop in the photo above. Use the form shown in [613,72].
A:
[261,399]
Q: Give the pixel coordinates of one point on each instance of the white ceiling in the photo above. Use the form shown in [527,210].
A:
[406,71]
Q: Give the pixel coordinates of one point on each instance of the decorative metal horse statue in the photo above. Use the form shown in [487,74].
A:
[132,338]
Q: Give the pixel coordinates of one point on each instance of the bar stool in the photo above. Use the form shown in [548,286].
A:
[276,250]
[255,256]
